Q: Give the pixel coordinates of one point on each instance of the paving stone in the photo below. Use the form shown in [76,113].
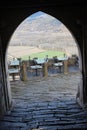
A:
[46,105]
[41,108]
[60,115]
[42,116]
[60,111]
[11,119]
[27,119]
[19,114]
[42,112]
[9,128]
[52,120]
[26,128]
[15,124]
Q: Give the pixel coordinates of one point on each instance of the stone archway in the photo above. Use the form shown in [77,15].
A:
[80,59]
[64,14]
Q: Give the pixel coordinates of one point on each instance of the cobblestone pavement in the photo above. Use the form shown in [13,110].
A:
[45,104]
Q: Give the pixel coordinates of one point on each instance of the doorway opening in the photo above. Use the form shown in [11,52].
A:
[42,37]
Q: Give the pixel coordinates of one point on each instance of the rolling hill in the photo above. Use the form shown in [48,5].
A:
[43,31]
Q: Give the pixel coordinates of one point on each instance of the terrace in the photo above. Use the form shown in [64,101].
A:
[42,67]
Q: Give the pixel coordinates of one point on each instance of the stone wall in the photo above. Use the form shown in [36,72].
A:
[2,96]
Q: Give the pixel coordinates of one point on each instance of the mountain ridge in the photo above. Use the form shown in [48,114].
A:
[43,31]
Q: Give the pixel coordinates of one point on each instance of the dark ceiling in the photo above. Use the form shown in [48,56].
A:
[32,3]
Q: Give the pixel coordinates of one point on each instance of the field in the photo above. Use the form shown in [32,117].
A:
[43,54]
[25,51]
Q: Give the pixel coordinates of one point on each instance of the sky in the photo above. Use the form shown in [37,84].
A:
[37,14]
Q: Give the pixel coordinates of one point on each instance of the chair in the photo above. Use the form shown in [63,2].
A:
[34,60]
[57,64]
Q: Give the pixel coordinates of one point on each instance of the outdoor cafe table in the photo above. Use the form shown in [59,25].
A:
[14,68]
[14,63]
[14,72]
[59,64]
[65,61]
[36,67]
[40,61]
[62,58]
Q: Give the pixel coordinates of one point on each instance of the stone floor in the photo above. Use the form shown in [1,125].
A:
[45,104]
